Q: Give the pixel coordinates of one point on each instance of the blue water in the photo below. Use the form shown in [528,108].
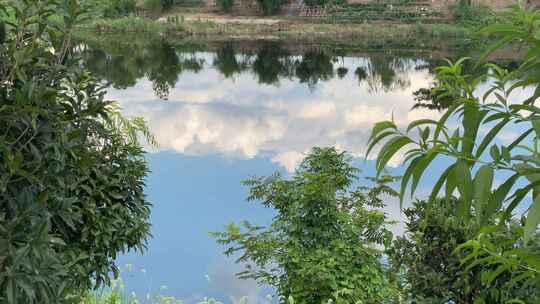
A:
[214,131]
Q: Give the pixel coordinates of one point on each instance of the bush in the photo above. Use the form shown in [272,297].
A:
[271,7]
[225,5]
[320,245]
[157,6]
[473,14]
[316,2]
[475,161]
[116,8]
[71,169]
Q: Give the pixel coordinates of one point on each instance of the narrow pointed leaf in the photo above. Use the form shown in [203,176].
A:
[482,183]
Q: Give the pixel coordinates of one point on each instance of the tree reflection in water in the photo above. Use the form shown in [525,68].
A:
[121,64]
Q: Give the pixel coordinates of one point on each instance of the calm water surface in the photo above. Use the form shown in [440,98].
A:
[224,113]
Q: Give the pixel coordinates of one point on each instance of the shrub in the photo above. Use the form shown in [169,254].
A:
[225,5]
[115,8]
[271,7]
[473,14]
[432,268]
[319,246]
[157,6]
[476,159]
[71,169]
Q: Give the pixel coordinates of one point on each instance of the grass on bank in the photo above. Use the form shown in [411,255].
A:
[134,24]
[297,30]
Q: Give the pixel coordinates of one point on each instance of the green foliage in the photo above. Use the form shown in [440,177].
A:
[475,15]
[430,259]
[271,7]
[476,159]
[167,4]
[71,169]
[321,244]
[157,6]
[133,24]
[498,254]
[316,2]
[357,13]
[116,8]
[225,5]
[432,272]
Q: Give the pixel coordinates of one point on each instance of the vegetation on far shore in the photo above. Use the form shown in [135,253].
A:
[153,18]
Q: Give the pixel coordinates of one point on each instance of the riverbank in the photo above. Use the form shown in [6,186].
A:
[273,28]
[206,28]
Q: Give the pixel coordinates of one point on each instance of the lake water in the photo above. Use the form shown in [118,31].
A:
[227,111]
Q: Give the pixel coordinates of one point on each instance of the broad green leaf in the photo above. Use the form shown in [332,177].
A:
[420,122]
[388,151]
[373,142]
[451,182]
[421,167]
[464,184]
[405,179]
[471,122]
[482,183]
[533,219]
[381,126]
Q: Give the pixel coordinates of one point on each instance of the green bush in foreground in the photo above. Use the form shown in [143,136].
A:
[321,244]
[476,158]
[71,169]
[427,259]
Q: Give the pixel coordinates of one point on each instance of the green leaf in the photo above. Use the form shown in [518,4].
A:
[440,182]
[536,125]
[464,184]
[443,119]
[389,149]
[471,123]
[490,136]
[405,179]
[496,199]
[482,184]
[495,153]
[420,122]
[421,167]
[381,126]
[519,139]
[533,219]
[373,142]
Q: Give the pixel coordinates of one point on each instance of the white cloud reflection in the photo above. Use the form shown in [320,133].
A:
[208,114]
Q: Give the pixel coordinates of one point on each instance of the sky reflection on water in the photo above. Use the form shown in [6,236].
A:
[228,116]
